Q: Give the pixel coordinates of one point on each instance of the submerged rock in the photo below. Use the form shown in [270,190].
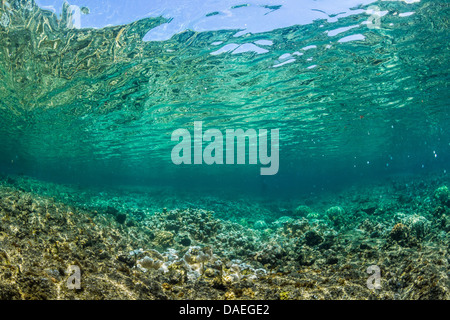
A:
[184,240]
[442,194]
[295,228]
[418,225]
[399,232]
[260,224]
[337,215]
[302,211]
[402,235]
[312,238]
[281,221]
[121,217]
[369,208]
[111,210]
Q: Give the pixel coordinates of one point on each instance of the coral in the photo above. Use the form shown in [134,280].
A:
[418,225]
[402,235]
[374,229]
[121,217]
[302,211]
[440,211]
[399,232]
[190,253]
[442,194]
[196,259]
[149,263]
[197,262]
[270,254]
[260,224]
[336,215]
[295,228]
[312,238]
[280,222]
[164,239]
[284,295]
[196,223]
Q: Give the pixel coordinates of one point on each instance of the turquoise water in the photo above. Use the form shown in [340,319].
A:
[353,100]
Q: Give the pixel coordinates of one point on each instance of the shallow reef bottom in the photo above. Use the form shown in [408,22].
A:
[312,247]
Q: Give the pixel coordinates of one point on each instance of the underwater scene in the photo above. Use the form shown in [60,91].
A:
[224,150]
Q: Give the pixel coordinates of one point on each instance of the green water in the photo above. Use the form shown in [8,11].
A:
[98,106]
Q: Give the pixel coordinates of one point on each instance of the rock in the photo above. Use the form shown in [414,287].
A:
[399,232]
[302,211]
[332,260]
[403,235]
[295,228]
[121,217]
[127,259]
[260,224]
[163,239]
[369,209]
[281,221]
[336,215]
[111,210]
[312,238]
[418,225]
[185,241]
[442,194]
[440,211]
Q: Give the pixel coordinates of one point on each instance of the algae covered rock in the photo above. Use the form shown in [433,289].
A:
[442,194]
[121,217]
[399,232]
[184,240]
[280,222]
[164,239]
[369,208]
[302,211]
[295,228]
[337,215]
[260,224]
[403,235]
[418,225]
[312,238]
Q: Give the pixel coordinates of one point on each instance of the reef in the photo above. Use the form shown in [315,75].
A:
[307,248]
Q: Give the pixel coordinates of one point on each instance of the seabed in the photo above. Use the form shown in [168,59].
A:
[154,245]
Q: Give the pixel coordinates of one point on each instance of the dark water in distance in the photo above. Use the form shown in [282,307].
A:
[98,106]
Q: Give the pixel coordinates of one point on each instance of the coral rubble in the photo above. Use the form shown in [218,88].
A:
[317,252]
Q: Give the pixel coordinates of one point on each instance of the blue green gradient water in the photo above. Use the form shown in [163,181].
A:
[97,106]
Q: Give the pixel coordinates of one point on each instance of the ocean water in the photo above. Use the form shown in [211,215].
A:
[90,96]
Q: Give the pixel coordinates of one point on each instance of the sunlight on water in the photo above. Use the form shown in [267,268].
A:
[359,85]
